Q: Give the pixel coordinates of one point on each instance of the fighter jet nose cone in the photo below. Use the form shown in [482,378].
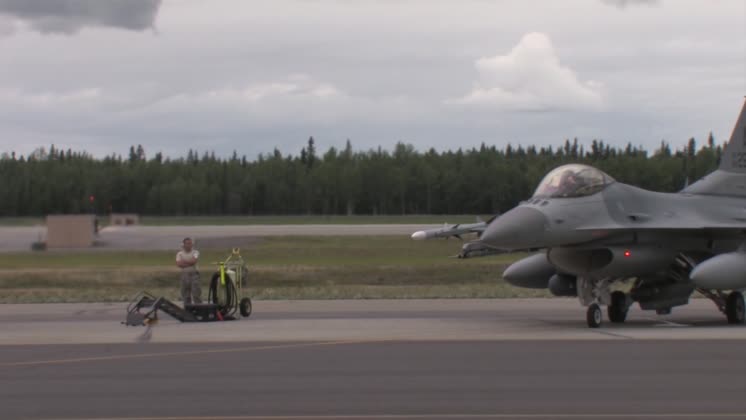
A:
[419,235]
[520,228]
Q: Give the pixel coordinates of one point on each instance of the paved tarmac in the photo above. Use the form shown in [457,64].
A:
[345,320]
[14,239]
[396,359]
[405,379]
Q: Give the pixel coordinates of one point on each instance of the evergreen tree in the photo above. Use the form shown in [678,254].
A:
[480,180]
[310,153]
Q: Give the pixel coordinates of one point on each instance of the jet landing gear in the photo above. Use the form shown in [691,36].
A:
[732,304]
[734,308]
[594,316]
[596,293]
[618,307]
[617,311]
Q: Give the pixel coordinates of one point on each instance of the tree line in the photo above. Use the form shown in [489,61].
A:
[484,180]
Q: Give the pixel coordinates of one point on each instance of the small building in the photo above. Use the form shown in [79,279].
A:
[124,219]
[71,231]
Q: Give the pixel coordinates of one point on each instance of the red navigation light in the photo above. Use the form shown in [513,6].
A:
[92,198]
[627,253]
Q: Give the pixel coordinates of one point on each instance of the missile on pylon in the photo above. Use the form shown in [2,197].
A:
[449,230]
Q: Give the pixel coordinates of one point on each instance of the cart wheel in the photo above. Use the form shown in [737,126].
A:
[245,307]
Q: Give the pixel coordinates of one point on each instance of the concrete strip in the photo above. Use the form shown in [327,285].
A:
[170,237]
[413,320]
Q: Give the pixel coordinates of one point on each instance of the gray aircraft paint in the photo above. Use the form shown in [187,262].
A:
[734,155]
[729,179]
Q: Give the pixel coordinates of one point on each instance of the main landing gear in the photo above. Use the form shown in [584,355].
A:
[618,307]
[734,308]
[732,304]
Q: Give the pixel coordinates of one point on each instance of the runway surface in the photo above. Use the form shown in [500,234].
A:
[528,358]
[456,378]
[169,237]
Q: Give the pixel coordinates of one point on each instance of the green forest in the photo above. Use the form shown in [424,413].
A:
[484,180]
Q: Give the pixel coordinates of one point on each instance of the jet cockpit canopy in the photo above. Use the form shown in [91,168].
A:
[572,180]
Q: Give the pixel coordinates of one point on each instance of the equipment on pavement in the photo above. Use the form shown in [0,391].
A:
[226,300]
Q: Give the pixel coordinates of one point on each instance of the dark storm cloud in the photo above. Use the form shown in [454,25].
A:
[69,16]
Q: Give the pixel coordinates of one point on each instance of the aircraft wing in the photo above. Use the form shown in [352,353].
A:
[685,220]
[665,226]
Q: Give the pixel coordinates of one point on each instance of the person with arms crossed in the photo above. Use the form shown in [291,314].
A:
[186,260]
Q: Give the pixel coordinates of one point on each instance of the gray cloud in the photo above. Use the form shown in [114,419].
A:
[229,75]
[7,26]
[622,4]
[70,16]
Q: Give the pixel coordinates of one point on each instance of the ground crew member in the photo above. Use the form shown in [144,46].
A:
[186,260]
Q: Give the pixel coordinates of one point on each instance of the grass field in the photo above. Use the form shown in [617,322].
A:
[267,220]
[304,220]
[21,221]
[280,268]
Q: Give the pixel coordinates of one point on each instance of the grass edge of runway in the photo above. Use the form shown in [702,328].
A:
[348,267]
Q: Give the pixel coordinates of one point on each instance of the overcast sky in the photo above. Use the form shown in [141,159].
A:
[249,75]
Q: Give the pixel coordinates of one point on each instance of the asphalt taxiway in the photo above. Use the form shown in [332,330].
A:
[522,358]
[15,239]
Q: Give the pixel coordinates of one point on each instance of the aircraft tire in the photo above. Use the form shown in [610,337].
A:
[594,316]
[734,308]
[245,307]
[618,308]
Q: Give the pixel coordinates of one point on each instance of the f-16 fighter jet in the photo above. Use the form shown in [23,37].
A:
[614,244]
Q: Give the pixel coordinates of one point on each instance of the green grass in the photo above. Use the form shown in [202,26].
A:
[21,221]
[328,251]
[280,268]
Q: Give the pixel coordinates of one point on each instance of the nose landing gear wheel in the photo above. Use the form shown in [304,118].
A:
[594,316]
[245,307]
[734,308]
